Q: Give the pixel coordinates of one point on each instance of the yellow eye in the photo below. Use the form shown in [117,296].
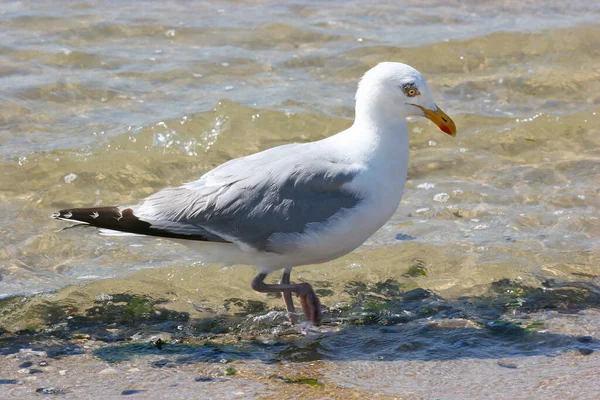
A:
[411,91]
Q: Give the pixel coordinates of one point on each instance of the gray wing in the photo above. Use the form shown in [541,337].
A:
[249,199]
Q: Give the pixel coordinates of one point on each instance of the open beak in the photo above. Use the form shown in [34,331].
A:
[438,117]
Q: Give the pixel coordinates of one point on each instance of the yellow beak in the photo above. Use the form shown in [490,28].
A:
[440,118]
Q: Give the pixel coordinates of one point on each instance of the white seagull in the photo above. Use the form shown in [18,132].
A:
[295,204]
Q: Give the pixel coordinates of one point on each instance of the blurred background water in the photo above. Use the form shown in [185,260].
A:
[106,102]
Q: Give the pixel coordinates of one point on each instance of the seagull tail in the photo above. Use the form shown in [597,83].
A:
[112,220]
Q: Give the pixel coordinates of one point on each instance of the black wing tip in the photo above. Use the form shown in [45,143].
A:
[125,221]
[87,215]
[62,214]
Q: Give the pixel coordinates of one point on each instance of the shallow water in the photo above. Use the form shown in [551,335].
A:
[104,103]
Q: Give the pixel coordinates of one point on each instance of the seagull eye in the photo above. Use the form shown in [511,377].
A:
[411,91]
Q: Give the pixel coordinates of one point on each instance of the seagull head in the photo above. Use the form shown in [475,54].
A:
[390,91]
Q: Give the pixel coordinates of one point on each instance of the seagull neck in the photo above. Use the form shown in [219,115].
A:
[381,130]
[377,141]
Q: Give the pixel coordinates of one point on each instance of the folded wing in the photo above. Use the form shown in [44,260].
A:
[245,201]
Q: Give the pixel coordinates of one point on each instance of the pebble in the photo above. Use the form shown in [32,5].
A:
[163,363]
[28,354]
[108,371]
[50,390]
[507,365]
[131,391]
[209,379]
[585,339]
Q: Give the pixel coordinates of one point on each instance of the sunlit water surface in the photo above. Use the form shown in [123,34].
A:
[104,103]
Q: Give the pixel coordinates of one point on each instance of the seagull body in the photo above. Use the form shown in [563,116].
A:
[295,204]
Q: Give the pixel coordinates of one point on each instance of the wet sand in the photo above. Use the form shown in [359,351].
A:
[145,371]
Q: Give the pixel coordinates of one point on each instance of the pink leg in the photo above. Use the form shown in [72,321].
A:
[287,297]
[308,298]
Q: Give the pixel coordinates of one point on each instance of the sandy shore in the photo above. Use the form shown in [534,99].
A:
[560,361]
[568,376]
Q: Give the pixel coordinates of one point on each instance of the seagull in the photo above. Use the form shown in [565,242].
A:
[296,204]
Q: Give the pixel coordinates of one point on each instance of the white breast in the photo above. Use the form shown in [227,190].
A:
[380,184]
